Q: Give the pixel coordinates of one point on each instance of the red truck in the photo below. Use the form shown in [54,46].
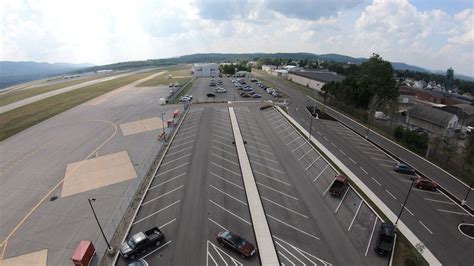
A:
[83,254]
[339,185]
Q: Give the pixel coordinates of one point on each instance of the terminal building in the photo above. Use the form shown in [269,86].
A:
[314,79]
[205,70]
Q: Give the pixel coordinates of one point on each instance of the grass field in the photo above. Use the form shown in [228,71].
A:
[18,95]
[180,76]
[21,118]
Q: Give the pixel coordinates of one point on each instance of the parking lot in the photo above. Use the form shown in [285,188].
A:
[202,87]
[198,191]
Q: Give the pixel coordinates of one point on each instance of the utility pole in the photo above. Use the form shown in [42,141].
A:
[109,248]
[163,125]
[405,202]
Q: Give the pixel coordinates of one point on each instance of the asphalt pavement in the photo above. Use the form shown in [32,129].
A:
[432,216]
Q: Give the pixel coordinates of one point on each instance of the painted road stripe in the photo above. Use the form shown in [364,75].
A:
[299,147]
[363,170]
[352,160]
[286,208]
[269,168]
[459,213]
[262,150]
[227,160]
[388,192]
[235,155]
[162,195]
[271,177]
[295,139]
[309,166]
[227,194]
[340,203]
[227,145]
[266,159]
[371,235]
[184,156]
[231,213]
[425,227]
[172,169]
[164,182]
[297,229]
[275,190]
[440,201]
[375,180]
[355,215]
[217,225]
[173,153]
[225,180]
[148,216]
[324,169]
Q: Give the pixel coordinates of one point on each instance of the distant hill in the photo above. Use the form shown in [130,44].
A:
[12,73]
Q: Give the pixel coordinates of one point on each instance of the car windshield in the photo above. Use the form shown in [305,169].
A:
[131,244]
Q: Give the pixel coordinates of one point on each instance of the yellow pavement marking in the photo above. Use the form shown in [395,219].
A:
[55,187]
[140,126]
[98,172]
[38,258]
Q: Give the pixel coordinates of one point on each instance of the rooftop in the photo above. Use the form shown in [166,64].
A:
[431,115]
[323,76]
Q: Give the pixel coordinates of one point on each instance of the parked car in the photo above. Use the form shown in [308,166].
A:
[184,99]
[189,96]
[237,243]
[220,90]
[339,186]
[211,95]
[245,95]
[404,169]
[270,90]
[385,239]
[256,95]
[424,183]
[141,241]
[247,89]
[140,262]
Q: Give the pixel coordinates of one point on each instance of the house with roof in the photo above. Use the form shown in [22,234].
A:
[314,79]
[432,120]
[465,112]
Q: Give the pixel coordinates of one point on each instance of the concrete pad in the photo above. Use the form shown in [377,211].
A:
[38,258]
[97,172]
[140,126]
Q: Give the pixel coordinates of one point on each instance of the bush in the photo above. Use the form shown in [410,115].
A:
[415,141]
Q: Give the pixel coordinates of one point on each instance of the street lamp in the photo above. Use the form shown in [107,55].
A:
[312,115]
[109,248]
[405,202]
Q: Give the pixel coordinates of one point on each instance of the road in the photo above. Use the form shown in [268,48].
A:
[375,169]
[198,191]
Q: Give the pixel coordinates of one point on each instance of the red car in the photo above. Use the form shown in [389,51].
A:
[424,183]
[237,243]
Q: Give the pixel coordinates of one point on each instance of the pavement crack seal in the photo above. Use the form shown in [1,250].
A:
[5,241]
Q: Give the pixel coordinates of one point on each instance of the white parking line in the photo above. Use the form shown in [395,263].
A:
[388,192]
[367,148]
[163,225]
[181,144]
[281,246]
[228,170]
[440,201]
[227,194]
[173,153]
[225,180]
[162,195]
[221,132]
[311,164]
[270,177]
[326,139]
[217,224]
[276,121]
[283,130]
[269,168]
[334,145]
[355,215]
[227,160]
[231,213]
[425,191]
[160,247]
[280,126]
[299,147]
[371,235]
[184,156]
[375,180]
[459,213]
[184,133]
[319,133]
[286,258]
[299,230]
[172,169]
[262,150]
[217,148]
[258,143]
[427,229]
[164,182]
[227,145]
[148,216]
[363,170]
[305,154]
[226,128]
[286,208]
[266,159]
[251,132]
[327,189]
[182,128]
[321,173]
[191,136]
[277,191]
[291,133]
[295,139]
[352,160]
[386,165]
[340,203]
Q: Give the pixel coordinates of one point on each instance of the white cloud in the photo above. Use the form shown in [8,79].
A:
[108,31]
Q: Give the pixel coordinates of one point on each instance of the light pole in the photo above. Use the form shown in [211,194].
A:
[312,115]
[109,248]
[405,202]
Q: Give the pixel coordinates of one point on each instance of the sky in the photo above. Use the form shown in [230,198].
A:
[434,34]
